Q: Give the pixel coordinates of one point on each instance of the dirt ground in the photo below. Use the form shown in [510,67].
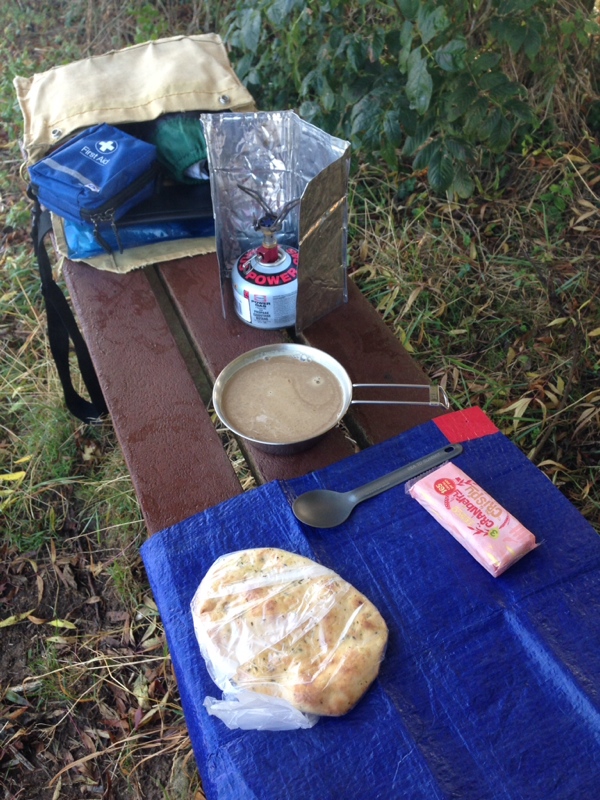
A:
[91,708]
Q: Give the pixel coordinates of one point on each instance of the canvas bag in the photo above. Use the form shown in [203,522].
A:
[165,76]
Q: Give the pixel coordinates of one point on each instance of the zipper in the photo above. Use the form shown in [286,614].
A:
[106,212]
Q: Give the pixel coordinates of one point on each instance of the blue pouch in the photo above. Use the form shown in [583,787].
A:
[176,211]
[95,178]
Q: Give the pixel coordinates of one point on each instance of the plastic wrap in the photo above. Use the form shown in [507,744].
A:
[487,530]
[286,639]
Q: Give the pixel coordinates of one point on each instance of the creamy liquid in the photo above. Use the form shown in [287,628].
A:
[282,399]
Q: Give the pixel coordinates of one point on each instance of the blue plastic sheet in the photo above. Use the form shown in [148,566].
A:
[490,686]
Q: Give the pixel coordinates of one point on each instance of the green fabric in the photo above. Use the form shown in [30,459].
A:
[180,144]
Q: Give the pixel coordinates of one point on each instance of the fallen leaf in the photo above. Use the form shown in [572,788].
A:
[62,623]
[140,691]
[15,619]
[16,699]
[13,476]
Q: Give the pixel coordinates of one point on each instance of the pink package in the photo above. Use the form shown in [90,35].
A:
[493,536]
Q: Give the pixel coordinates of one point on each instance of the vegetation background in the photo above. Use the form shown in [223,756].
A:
[474,230]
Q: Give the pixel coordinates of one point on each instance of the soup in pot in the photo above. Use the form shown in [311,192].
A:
[282,399]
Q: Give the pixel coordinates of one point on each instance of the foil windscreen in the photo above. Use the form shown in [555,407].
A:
[282,157]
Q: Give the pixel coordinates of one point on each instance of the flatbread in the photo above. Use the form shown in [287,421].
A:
[280,624]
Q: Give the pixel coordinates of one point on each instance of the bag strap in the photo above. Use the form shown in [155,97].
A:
[62,328]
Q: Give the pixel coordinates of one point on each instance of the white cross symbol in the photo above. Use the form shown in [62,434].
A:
[106,147]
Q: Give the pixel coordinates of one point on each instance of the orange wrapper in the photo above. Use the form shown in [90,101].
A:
[487,530]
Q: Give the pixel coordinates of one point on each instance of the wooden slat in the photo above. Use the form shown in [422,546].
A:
[357,337]
[175,457]
[194,287]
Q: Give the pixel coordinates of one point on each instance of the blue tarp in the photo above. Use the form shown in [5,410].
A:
[490,686]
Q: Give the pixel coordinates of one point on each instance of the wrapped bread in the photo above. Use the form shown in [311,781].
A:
[283,626]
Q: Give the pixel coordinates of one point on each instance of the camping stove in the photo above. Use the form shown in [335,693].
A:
[265,279]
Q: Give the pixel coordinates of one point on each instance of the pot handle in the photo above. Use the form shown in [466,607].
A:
[437,395]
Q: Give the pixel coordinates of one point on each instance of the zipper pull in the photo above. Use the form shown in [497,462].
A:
[100,239]
[115,230]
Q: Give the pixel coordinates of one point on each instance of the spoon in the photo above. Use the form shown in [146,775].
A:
[325,508]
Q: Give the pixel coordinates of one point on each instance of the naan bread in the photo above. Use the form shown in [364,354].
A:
[282,625]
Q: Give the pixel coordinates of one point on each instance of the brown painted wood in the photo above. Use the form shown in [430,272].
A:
[358,338]
[175,457]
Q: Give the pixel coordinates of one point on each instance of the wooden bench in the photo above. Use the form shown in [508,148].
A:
[158,340]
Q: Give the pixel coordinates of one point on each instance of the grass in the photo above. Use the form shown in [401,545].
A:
[498,297]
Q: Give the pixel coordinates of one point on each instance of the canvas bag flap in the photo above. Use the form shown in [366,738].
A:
[181,73]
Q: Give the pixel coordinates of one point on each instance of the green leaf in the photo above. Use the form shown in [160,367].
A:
[521,110]
[492,80]
[489,123]
[409,8]
[326,95]
[354,89]
[419,84]
[403,57]
[308,81]
[504,92]
[441,171]
[393,40]
[357,54]
[392,128]
[459,100]
[388,153]
[365,115]
[462,183]
[509,31]
[532,43]
[484,62]
[514,6]
[411,121]
[500,135]
[279,11]
[406,34]
[474,118]
[424,156]
[431,21]
[251,29]
[422,132]
[449,57]
[458,150]
[309,110]
[591,27]
[377,44]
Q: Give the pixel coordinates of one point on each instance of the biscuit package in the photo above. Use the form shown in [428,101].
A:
[491,535]
[286,639]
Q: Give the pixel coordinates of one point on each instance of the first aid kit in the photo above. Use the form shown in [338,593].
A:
[96,177]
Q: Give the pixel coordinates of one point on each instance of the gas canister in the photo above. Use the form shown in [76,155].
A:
[265,279]
[265,293]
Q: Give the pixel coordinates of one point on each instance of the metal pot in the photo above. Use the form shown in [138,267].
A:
[437,396]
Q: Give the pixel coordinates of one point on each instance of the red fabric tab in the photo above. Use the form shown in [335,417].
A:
[462,426]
